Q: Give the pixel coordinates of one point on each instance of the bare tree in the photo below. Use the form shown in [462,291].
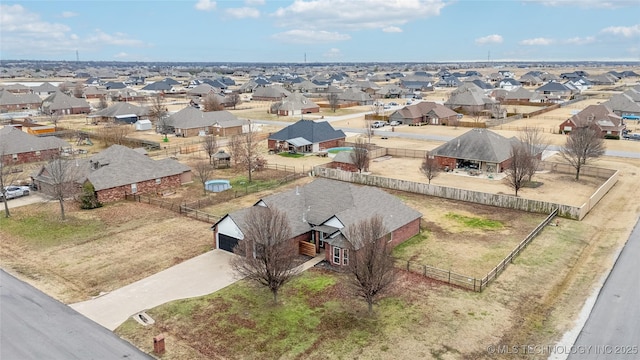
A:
[203,171]
[61,175]
[368,129]
[158,114]
[102,104]
[430,167]
[360,155]
[370,266]
[275,108]
[246,150]
[535,143]
[78,90]
[54,118]
[7,174]
[234,99]
[583,144]
[519,167]
[211,103]
[333,101]
[63,87]
[235,145]
[210,146]
[267,253]
[114,133]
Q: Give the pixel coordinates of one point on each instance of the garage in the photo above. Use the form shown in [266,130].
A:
[226,242]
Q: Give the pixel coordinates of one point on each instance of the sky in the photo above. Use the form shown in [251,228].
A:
[330,31]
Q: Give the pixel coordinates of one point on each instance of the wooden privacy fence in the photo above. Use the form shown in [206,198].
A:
[471,282]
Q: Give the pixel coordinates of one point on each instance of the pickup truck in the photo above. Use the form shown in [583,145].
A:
[11,192]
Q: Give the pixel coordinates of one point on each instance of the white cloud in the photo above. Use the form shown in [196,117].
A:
[121,55]
[581,40]
[392,29]
[489,39]
[69,14]
[586,4]
[333,53]
[626,31]
[299,36]
[205,5]
[537,41]
[254,2]
[120,39]
[243,12]
[16,20]
[355,15]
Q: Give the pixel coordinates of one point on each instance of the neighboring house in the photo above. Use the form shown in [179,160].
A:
[509,84]
[270,93]
[44,89]
[118,171]
[470,99]
[306,136]
[60,103]
[194,122]
[16,102]
[627,103]
[353,95]
[597,117]
[294,105]
[18,147]
[344,161]
[478,149]
[424,112]
[320,215]
[119,110]
[93,92]
[158,87]
[554,91]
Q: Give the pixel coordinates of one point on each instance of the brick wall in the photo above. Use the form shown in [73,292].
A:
[331,143]
[405,232]
[342,166]
[31,156]
[145,187]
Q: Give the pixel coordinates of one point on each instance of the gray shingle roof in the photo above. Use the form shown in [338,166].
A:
[122,108]
[15,141]
[315,203]
[478,145]
[314,132]
[192,118]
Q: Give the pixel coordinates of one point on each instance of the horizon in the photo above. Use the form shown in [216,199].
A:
[321,31]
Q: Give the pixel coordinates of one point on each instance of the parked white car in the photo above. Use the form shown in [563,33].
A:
[394,123]
[11,192]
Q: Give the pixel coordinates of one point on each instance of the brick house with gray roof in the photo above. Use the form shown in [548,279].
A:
[18,147]
[119,170]
[194,122]
[18,101]
[596,117]
[424,112]
[477,149]
[60,103]
[306,136]
[320,214]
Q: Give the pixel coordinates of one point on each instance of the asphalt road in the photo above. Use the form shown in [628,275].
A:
[612,330]
[36,326]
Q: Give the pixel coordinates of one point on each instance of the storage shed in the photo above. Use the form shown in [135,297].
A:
[143,124]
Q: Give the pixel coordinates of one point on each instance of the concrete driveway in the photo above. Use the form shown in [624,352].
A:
[32,198]
[199,276]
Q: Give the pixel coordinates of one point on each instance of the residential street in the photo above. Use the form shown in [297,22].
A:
[612,330]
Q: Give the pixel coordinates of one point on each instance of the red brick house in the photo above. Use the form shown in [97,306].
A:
[306,136]
[597,117]
[477,149]
[320,214]
[60,103]
[119,170]
[18,101]
[18,147]
[425,112]
[190,122]
[344,161]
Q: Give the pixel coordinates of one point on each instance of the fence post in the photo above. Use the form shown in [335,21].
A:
[407,265]
[449,281]
[424,270]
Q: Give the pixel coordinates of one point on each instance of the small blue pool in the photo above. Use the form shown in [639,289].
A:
[217,185]
[336,150]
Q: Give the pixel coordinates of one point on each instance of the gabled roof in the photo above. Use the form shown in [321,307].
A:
[623,103]
[45,87]
[478,145]
[121,108]
[157,86]
[297,101]
[553,86]
[423,108]
[601,116]
[119,165]
[519,93]
[312,205]
[192,118]
[9,98]
[14,141]
[61,101]
[314,132]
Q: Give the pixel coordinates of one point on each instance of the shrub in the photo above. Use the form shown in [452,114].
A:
[89,199]
[612,137]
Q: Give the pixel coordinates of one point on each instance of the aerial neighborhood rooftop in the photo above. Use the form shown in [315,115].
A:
[192,210]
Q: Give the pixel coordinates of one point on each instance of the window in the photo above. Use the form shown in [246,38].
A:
[345,257]
[158,181]
[336,255]
[134,188]
[15,156]
[38,153]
